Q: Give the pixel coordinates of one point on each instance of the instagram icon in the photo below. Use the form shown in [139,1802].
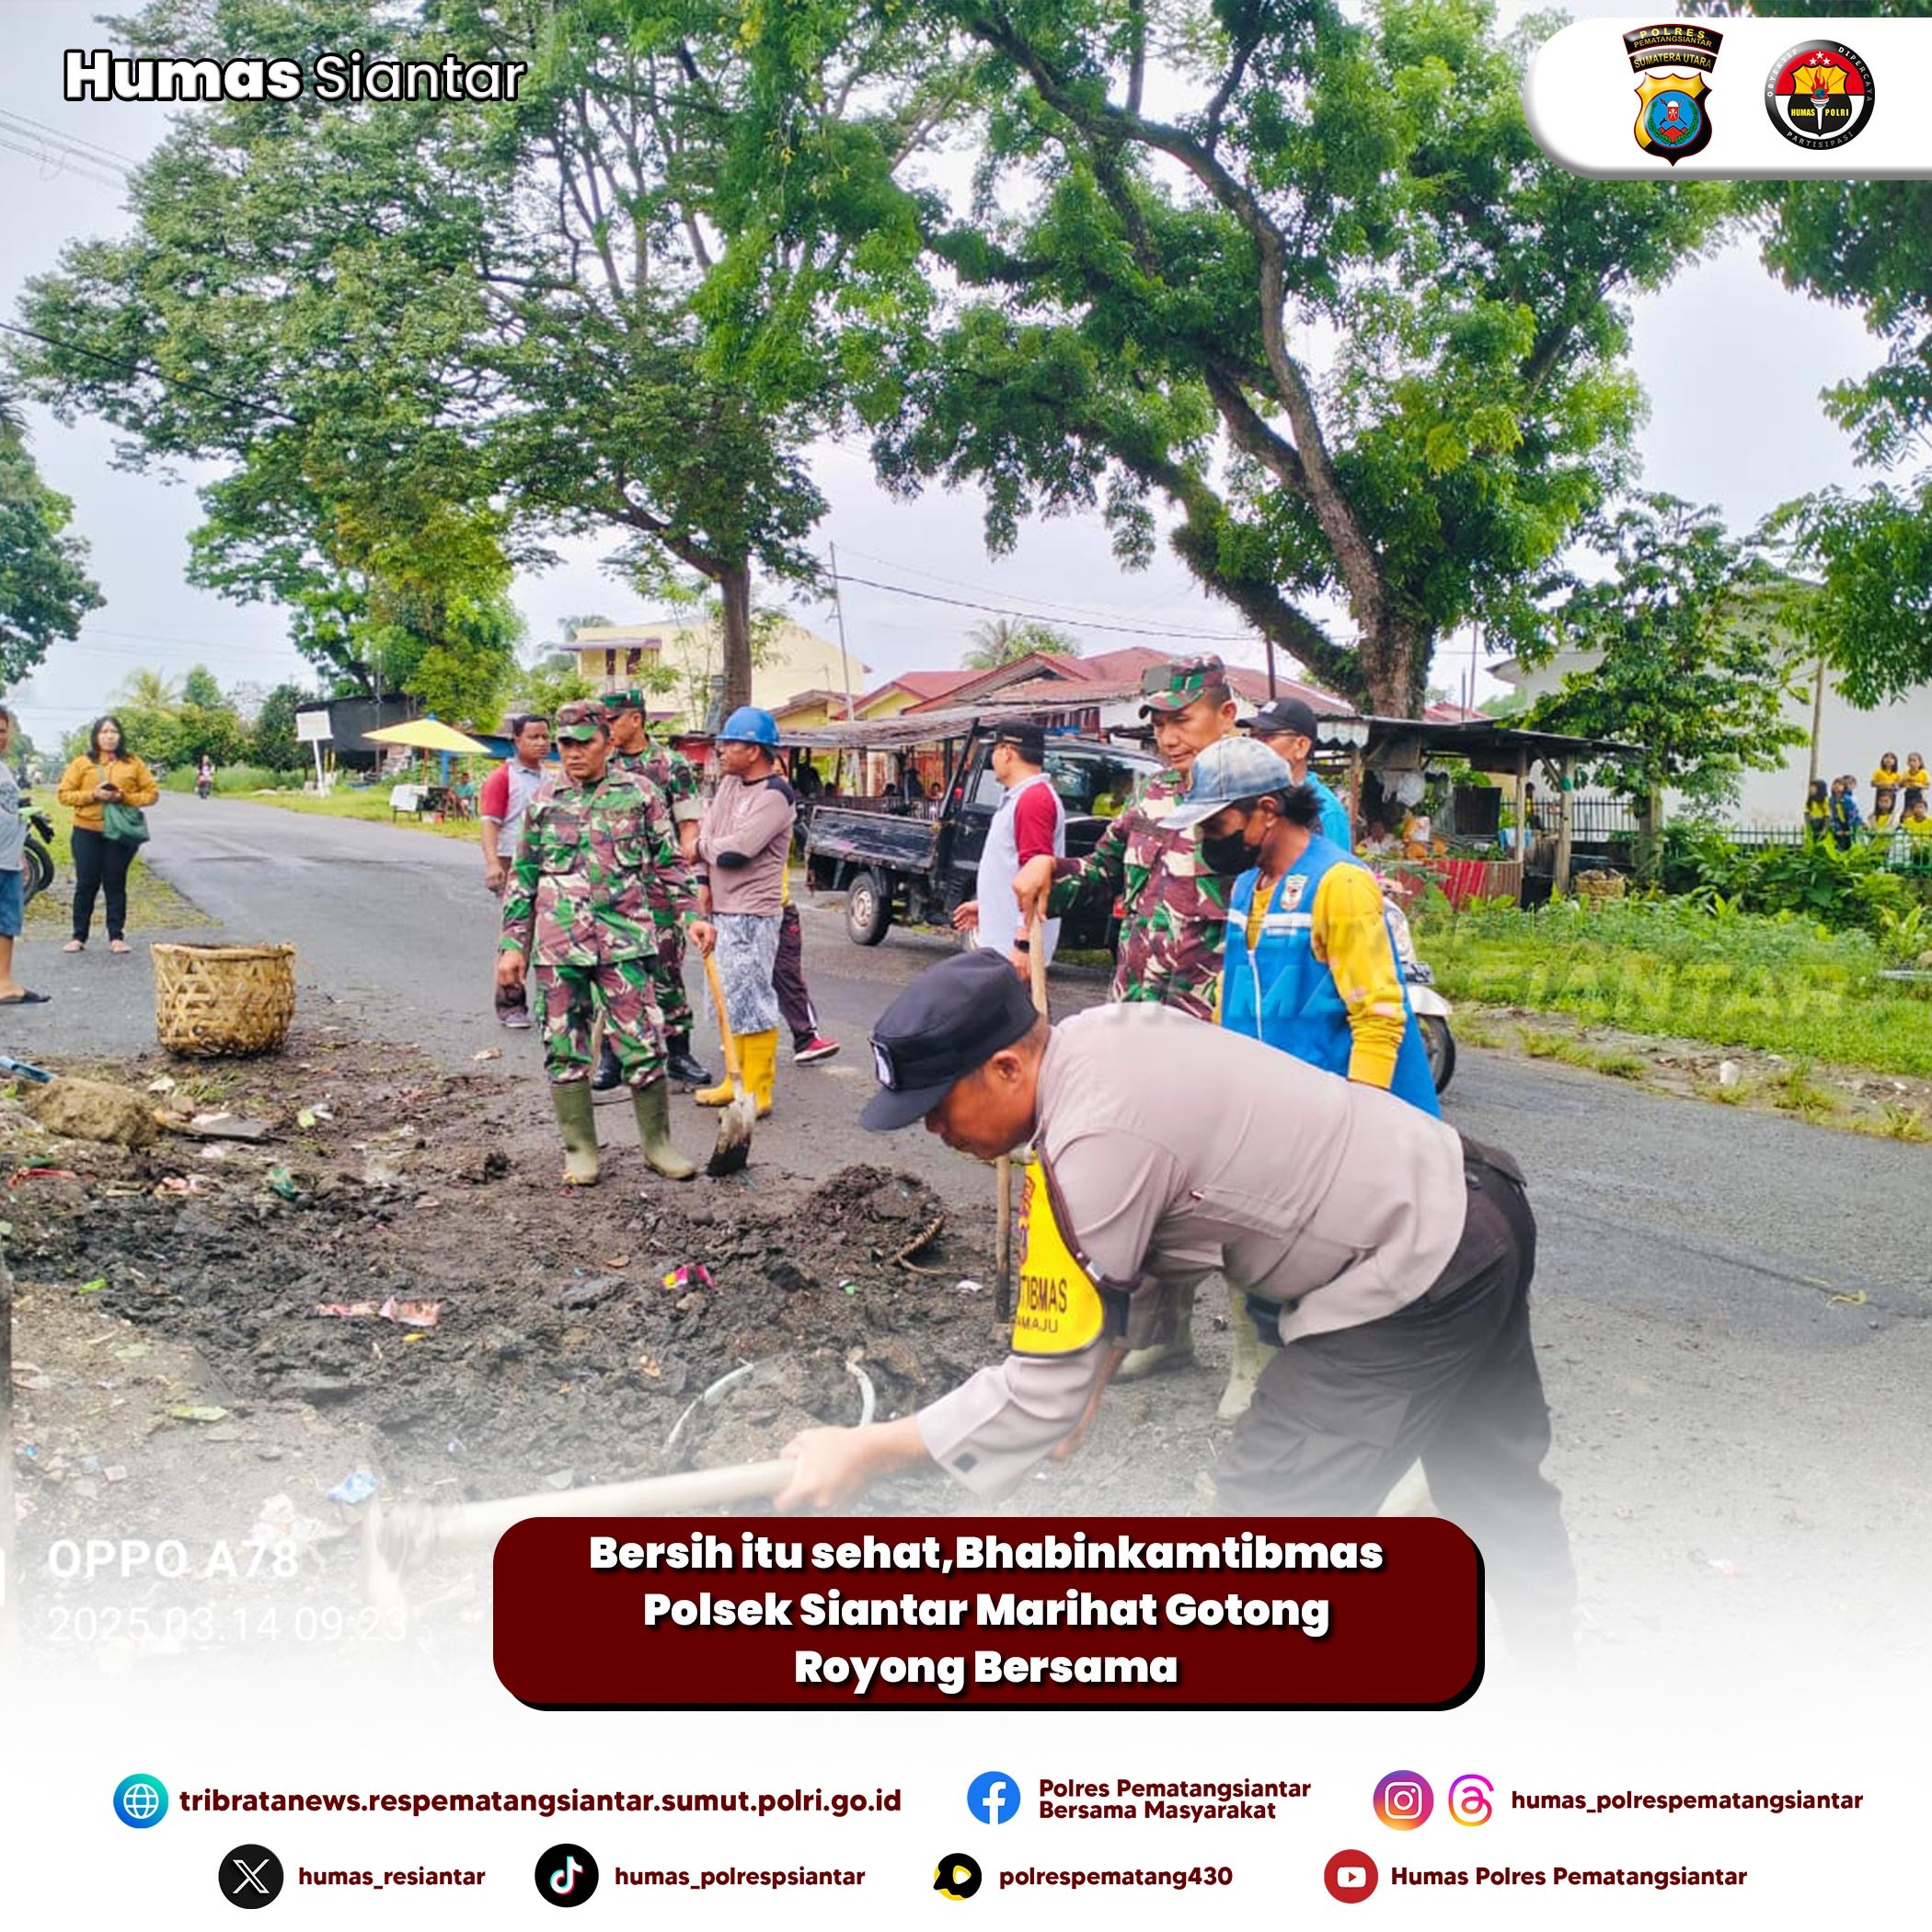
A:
[1403,1800]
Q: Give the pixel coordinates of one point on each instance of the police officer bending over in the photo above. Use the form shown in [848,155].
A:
[1392,1257]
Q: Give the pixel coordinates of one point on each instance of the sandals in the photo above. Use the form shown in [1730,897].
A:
[75,946]
[119,946]
[27,997]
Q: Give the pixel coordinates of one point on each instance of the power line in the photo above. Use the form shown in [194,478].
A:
[46,157]
[1079,613]
[110,155]
[1137,630]
[160,375]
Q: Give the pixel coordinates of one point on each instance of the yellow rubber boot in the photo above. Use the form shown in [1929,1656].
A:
[718,1095]
[760,1052]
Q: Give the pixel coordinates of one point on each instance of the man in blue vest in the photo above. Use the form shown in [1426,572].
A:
[1309,964]
[1287,726]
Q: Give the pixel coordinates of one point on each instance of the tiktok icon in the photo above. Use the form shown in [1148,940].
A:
[566,1875]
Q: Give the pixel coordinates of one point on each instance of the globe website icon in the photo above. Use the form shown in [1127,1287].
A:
[141,1800]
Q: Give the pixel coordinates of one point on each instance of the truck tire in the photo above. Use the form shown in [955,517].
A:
[868,909]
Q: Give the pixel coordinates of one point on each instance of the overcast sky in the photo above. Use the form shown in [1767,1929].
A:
[1731,363]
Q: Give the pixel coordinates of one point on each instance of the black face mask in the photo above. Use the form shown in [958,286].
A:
[1228,853]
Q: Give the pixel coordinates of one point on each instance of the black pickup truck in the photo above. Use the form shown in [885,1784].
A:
[917,861]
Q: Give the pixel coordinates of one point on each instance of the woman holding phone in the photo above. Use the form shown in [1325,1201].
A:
[106,774]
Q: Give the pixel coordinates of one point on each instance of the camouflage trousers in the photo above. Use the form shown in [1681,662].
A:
[667,974]
[620,993]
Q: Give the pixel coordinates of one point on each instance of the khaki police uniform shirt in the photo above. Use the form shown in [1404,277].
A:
[1175,1151]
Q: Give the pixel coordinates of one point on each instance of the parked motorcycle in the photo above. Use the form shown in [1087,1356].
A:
[1431,1009]
[37,859]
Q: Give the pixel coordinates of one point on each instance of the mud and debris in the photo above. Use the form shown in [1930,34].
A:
[396,1284]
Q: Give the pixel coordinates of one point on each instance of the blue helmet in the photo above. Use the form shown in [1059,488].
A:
[749,725]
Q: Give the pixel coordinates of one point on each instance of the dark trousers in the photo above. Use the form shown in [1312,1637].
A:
[101,862]
[1452,1378]
[789,980]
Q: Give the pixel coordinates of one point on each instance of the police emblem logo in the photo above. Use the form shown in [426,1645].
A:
[1819,95]
[1671,61]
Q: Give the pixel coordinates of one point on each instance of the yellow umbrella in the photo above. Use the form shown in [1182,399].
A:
[427,734]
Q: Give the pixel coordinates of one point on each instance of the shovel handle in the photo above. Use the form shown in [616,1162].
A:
[724,1024]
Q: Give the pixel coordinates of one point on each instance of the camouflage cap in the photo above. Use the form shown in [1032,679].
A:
[634,699]
[1173,687]
[581,718]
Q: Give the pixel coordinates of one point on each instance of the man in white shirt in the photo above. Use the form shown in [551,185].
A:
[1030,823]
[506,795]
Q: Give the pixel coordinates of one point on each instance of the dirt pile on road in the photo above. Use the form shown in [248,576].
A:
[399,1259]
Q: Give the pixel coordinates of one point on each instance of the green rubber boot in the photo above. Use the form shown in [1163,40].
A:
[573,1104]
[1175,1353]
[653,1106]
[1249,1356]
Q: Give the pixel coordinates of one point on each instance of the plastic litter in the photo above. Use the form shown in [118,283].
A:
[355,1489]
[688,1275]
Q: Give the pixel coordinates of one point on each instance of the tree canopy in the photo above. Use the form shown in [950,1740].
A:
[1328,301]
[1697,642]
[44,587]
[999,640]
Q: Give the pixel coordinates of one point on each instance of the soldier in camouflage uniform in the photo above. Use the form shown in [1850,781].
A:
[578,906]
[634,756]
[1176,909]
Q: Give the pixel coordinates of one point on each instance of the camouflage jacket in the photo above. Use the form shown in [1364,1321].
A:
[1176,910]
[676,777]
[579,886]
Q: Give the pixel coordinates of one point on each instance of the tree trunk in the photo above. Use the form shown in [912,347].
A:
[1647,853]
[1395,668]
[734,592]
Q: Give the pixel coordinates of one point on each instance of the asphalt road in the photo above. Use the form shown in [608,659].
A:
[1731,1304]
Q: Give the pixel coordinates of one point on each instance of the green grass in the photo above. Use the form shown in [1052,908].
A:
[153,906]
[372,806]
[1667,968]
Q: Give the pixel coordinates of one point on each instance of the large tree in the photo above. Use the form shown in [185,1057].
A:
[1327,300]
[555,315]
[44,587]
[999,640]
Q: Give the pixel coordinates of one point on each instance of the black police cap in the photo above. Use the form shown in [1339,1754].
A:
[951,1020]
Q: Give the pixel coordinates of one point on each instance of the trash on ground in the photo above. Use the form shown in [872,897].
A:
[412,1315]
[281,1183]
[688,1275]
[196,1412]
[355,1489]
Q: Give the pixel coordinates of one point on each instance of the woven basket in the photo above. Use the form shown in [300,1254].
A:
[214,1000]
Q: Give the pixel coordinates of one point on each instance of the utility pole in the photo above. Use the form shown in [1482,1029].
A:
[838,605]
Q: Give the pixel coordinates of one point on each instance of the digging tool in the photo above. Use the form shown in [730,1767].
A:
[25,1068]
[394,1539]
[1003,1244]
[741,1112]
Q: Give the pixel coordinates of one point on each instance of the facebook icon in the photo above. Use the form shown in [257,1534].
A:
[993,1798]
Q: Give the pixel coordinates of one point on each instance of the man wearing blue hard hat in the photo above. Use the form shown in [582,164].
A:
[743,847]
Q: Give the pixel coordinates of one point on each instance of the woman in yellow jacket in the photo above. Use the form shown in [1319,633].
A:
[109,774]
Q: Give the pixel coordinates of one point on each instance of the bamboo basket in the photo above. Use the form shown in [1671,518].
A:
[217,1000]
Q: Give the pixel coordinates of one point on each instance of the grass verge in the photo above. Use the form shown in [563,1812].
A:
[371,806]
[1772,985]
[154,906]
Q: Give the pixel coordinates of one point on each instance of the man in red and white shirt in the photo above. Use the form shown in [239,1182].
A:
[506,795]
[1030,824]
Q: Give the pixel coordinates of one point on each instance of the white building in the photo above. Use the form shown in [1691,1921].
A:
[1848,740]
